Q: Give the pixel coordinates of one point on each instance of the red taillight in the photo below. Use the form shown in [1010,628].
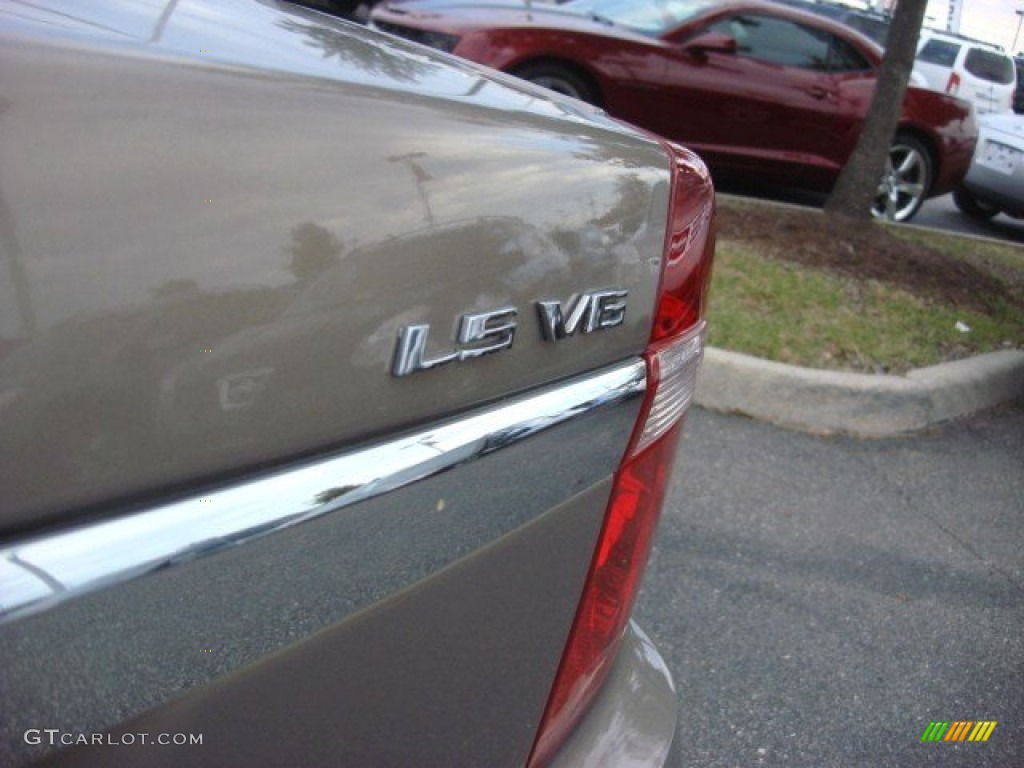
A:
[689,249]
[673,357]
[953,84]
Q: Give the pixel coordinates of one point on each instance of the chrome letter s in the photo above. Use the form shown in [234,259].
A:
[480,333]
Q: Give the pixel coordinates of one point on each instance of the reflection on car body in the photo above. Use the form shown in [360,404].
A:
[221,513]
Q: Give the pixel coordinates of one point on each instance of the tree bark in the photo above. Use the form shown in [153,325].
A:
[857,186]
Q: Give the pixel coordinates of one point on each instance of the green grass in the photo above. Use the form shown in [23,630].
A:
[781,311]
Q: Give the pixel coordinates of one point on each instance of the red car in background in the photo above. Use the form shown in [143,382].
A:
[754,87]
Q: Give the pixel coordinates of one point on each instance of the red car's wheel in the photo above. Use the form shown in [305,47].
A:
[906,181]
[560,79]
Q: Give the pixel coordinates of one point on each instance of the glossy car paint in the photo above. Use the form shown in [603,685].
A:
[741,114]
[236,264]
[208,250]
[996,177]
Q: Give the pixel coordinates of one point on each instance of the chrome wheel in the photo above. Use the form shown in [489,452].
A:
[905,183]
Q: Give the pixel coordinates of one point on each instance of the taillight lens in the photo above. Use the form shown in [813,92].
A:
[673,358]
[673,365]
[953,84]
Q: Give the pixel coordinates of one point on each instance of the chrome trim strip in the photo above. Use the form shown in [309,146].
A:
[40,572]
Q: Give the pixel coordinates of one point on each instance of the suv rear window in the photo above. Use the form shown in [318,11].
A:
[941,52]
[989,65]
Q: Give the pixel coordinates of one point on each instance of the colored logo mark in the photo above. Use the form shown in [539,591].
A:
[959,730]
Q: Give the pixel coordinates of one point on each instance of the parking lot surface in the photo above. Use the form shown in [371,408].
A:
[821,600]
[942,213]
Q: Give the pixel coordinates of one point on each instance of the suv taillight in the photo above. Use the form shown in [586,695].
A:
[673,357]
[953,85]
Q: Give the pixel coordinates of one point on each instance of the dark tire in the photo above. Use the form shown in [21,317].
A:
[906,182]
[560,79]
[972,206]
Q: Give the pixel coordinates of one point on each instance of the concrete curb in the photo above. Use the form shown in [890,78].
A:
[858,404]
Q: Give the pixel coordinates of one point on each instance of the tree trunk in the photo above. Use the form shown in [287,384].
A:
[857,186]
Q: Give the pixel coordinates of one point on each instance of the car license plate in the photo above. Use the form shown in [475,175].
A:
[999,157]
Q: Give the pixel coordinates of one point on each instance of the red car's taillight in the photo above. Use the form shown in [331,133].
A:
[673,357]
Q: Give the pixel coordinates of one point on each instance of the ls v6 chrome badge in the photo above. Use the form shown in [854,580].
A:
[482,333]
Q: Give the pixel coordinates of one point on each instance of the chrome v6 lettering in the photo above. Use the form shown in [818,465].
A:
[482,333]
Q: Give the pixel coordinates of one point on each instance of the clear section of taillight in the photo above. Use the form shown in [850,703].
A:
[675,364]
[673,357]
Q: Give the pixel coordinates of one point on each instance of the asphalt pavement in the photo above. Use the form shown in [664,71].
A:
[821,600]
[942,213]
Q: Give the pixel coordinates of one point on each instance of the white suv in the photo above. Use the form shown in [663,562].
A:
[982,74]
